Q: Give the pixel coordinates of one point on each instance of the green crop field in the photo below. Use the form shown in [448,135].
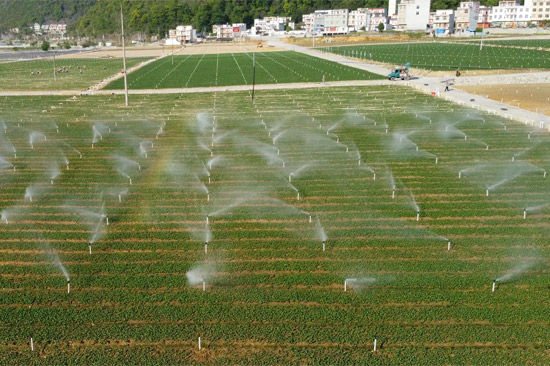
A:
[237,69]
[448,56]
[148,185]
[534,43]
[17,75]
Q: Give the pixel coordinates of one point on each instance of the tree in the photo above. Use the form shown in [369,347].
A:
[381,27]
[45,45]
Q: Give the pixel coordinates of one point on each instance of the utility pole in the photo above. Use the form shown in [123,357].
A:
[124,58]
[54,72]
[253,73]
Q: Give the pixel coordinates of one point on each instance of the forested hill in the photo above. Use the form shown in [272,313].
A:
[20,13]
[97,17]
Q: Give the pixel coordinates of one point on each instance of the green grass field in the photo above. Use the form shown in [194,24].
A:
[448,56]
[535,43]
[236,69]
[17,75]
[273,296]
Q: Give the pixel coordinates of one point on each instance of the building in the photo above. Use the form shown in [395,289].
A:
[183,34]
[541,11]
[271,25]
[392,8]
[367,18]
[510,13]
[443,22]
[229,31]
[413,15]
[327,22]
[483,16]
[466,17]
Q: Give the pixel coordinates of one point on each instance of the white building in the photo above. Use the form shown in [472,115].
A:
[466,17]
[483,16]
[183,34]
[367,18]
[413,14]
[271,25]
[229,31]
[392,8]
[443,22]
[327,22]
[510,13]
[541,10]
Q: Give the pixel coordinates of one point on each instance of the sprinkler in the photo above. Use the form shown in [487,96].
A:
[203,285]
[68,286]
[436,159]
[449,245]
[297,196]
[544,175]
[513,158]
[32,147]
[494,285]
[487,147]
[119,198]
[373,176]
[92,146]
[487,193]
[459,174]
[208,179]
[139,167]
[529,136]
[418,216]
[524,214]
[309,219]
[386,130]
[130,181]
[207,219]
[208,197]
[205,247]
[290,177]
[283,164]
[51,182]
[359,162]
[393,194]
[324,242]
[67,166]
[375,343]
[32,344]
[416,147]
[278,152]
[107,219]
[90,248]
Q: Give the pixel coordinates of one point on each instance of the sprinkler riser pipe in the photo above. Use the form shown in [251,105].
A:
[418,216]
[524,214]
[494,284]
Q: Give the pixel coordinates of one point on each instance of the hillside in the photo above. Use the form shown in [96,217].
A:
[20,13]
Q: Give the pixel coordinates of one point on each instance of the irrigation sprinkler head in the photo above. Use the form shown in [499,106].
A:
[57,129]
[459,174]
[309,219]
[494,285]
[283,164]
[449,245]
[324,243]
[504,127]
[206,247]
[107,220]
[51,182]
[386,130]
[32,147]
[418,216]
[465,137]
[211,153]
[119,198]
[297,196]
[486,193]
[203,285]
[90,248]
[207,219]
[375,344]
[139,167]
[436,158]
[199,343]
[529,136]
[513,158]
[359,162]
[32,344]
[92,145]
[416,147]
[373,176]
[524,213]
[68,286]
[208,197]
[278,152]
[393,194]
[544,175]
[130,181]
[487,147]
[208,179]
[290,177]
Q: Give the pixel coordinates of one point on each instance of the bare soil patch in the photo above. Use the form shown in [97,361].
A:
[532,97]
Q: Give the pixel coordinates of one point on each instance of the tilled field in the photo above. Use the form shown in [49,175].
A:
[264,184]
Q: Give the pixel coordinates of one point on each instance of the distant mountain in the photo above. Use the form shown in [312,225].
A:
[21,13]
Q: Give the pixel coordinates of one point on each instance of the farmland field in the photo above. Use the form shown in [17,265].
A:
[17,75]
[134,182]
[236,69]
[447,56]
[535,43]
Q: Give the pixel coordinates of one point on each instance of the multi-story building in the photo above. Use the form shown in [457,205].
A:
[271,25]
[466,17]
[541,10]
[367,18]
[510,13]
[483,16]
[413,14]
[183,34]
[327,22]
[443,22]
[223,31]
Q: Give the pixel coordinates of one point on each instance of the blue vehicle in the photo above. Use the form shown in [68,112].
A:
[400,72]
